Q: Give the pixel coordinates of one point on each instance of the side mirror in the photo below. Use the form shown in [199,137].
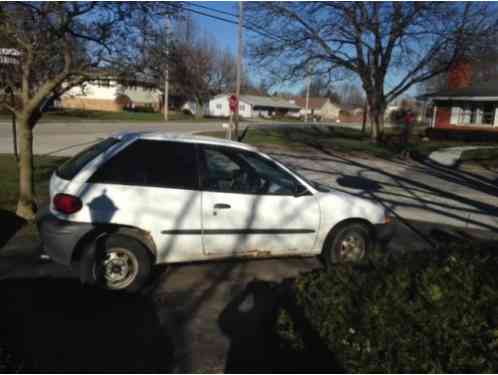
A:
[300,190]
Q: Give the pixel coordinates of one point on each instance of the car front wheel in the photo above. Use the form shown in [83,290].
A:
[348,244]
[119,263]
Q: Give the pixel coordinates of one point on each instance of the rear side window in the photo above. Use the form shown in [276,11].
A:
[152,163]
[72,167]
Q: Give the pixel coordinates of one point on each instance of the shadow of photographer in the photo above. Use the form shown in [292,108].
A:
[59,325]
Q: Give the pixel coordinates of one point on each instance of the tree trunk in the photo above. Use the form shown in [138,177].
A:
[376,109]
[26,206]
[365,118]
[199,104]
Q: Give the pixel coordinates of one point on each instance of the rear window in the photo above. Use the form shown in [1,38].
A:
[152,163]
[71,167]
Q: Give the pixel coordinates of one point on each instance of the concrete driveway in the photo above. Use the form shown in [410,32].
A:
[412,190]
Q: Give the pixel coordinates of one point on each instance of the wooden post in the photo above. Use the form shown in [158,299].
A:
[239,70]
[166,74]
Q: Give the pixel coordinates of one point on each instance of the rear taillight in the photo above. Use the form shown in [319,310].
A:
[67,204]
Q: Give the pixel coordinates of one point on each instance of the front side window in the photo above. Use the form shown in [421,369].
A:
[237,171]
[152,163]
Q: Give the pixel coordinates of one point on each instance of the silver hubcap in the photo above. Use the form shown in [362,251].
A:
[352,248]
[119,267]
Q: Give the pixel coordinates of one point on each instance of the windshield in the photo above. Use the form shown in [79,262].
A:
[72,167]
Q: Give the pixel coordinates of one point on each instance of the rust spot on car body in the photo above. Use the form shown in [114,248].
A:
[257,253]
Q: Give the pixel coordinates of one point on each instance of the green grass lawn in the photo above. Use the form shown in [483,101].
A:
[486,157]
[76,115]
[44,166]
[9,222]
[341,139]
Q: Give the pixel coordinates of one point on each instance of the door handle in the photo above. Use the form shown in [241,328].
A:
[221,206]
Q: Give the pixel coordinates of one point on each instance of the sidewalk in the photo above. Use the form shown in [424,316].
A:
[449,157]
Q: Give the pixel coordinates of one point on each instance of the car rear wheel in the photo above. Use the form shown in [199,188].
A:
[120,263]
[350,243]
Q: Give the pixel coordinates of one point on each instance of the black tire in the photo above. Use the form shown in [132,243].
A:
[116,262]
[339,247]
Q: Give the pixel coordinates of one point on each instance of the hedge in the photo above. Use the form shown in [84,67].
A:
[419,312]
[465,135]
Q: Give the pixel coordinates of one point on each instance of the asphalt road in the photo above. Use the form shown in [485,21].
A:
[66,139]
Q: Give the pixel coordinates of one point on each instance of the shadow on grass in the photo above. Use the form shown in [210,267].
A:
[10,224]
[59,325]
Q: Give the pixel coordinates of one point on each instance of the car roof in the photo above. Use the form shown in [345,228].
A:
[177,137]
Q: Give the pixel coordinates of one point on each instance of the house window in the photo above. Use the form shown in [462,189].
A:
[242,107]
[104,83]
[218,106]
[475,114]
[488,115]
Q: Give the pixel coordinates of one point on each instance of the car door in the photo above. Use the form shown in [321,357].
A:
[152,185]
[250,206]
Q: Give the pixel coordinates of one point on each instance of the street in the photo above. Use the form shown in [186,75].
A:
[66,139]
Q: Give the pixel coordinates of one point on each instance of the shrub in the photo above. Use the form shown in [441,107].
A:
[464,135]
[421,312]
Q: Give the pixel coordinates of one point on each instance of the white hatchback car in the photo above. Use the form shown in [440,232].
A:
[138,199]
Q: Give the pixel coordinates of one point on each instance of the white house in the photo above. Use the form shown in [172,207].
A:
[320,107]
[251,106]
[110,95]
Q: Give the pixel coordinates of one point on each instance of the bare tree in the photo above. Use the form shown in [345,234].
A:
[198,67]
[320,87]
[352,95]
[387,45]
[59,45]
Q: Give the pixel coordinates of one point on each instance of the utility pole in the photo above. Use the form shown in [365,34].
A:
[166,73]
[239,70]
[307,106]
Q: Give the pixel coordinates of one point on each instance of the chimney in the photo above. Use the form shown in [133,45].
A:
[460,74]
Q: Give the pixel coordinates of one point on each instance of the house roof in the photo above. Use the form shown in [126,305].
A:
[264,101]
[268,101]
[487,90]
[314,103]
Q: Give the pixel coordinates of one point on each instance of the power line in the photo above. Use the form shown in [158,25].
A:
[214,10]
[265,34]
[252,25]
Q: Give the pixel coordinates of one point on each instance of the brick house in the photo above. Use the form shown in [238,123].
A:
[111,95]
[464,105]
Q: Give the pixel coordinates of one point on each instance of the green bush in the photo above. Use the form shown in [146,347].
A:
[462,135]
[421,312]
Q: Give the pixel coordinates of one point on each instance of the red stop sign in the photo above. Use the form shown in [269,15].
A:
[232,102]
